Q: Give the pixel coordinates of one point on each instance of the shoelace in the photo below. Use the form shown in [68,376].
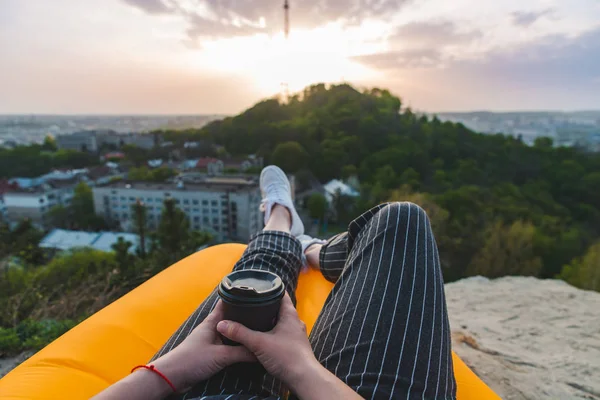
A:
[271,189]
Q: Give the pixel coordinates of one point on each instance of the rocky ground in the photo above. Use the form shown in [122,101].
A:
[528,338]
[6,364]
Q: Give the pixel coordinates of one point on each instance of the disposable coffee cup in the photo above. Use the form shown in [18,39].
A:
[252,298]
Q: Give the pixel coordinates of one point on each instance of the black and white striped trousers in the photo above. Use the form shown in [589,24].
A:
[384,327]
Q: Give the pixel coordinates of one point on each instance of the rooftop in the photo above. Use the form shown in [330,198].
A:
[201,184]
[63,239]
[44,187]
[335,185]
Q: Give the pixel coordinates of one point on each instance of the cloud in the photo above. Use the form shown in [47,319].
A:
[556,60]
[528,18]
[418,58]
[420,45]
[226,18]
[150,6]
[554,72]
[441,33]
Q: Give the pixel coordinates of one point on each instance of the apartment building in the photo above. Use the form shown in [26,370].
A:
[86,141]
[35,202]
[117,140]
[226,207]
[91,141]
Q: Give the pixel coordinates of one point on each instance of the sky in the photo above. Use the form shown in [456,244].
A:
[222,56]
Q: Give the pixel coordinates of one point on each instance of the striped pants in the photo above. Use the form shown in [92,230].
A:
[384,327]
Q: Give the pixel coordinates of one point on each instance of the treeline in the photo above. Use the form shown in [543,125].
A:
[38,159]
[501,207]
[42,294]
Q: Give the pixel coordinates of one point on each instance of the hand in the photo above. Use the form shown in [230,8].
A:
[285,351]
[201,355]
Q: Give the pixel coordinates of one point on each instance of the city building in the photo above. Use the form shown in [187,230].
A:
[116,140]
[34,202]
[62,239]
[243,164]
[226,207]
[5,186]
[92,141]
[2,208]
[101,175]
[79,141]
[211,166]
[335,187]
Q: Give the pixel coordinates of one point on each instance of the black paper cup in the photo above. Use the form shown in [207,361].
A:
[251,297]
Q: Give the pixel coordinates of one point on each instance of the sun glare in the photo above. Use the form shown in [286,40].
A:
[323,54]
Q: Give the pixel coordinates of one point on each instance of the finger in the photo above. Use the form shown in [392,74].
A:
[234,354]
[239,333]
[215,315]
[287,309]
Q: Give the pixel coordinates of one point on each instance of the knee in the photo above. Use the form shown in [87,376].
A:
[404,207]
[404,213]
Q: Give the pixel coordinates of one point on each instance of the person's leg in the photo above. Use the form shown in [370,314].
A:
[330,257]
[274,250]
[384,328]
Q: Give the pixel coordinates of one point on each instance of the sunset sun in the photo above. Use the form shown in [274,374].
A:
[323,54]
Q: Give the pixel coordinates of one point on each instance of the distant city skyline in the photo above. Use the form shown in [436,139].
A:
[190,57]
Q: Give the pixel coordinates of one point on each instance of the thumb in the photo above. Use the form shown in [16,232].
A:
[235,354]
[239,333]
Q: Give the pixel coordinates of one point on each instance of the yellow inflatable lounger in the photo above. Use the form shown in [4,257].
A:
[103,349]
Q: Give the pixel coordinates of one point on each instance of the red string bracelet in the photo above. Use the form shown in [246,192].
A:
[152,368]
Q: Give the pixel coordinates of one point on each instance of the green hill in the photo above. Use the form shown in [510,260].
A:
[500,207]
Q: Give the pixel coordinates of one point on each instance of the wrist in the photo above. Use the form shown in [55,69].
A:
[151,382]
[174,370]
[304,374]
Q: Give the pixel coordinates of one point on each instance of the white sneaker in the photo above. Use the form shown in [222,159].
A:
[275,189]
[307,241]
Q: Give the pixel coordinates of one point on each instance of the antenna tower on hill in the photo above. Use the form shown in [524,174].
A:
[285,90]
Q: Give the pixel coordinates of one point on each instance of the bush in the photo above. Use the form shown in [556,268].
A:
[9,342]
[32,335]
[584,272]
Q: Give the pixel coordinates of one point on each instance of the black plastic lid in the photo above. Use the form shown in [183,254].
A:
[251,286]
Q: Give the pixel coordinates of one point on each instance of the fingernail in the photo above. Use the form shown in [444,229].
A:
[222,326]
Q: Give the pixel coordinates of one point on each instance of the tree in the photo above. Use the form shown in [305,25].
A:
[173,229]
[124,260]
[25,239]
[82,205]
[543,142]
[139,174]
[317,206]
[411,178]
[161,174]
[343,206]
[174,240]
[437,215]
[5,246]
[138,211]
[584,272]
[49,144]
[508,250]
[290,156]
[60,217]
[349,171]
[386,177]
[136,155]
[143,173]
